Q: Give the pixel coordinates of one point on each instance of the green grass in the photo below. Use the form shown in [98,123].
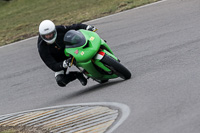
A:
[19,19]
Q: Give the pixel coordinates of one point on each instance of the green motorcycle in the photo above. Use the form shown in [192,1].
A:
[93,57]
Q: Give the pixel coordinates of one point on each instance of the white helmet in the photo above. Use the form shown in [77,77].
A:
[47,27]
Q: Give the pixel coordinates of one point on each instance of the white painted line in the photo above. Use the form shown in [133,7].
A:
[8,45]
[136,8]
[122,108]
[91,21]
[125,113]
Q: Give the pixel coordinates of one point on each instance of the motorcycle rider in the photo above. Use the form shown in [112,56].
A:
[51,50]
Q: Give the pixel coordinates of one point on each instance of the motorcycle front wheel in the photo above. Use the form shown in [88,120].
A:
[116,67]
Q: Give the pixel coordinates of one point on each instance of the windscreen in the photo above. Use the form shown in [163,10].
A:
[74,39]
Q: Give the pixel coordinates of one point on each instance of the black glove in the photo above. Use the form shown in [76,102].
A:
[67,63]
[91,28]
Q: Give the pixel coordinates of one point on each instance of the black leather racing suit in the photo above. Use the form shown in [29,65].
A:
[53,54]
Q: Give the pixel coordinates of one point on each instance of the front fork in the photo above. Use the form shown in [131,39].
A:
[99,57]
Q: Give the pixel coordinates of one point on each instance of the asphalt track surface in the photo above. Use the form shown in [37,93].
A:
[158,43]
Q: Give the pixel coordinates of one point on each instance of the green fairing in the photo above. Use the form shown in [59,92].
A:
[84,55]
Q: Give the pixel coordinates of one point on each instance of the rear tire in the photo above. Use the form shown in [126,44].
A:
[116,67]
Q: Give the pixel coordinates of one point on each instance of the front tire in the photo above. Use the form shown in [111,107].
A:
[116,67]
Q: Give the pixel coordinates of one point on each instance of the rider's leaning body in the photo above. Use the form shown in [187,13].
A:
[51,50]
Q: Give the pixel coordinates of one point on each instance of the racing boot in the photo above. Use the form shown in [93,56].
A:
[81,78]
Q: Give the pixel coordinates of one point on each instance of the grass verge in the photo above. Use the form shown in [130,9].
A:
[20,18]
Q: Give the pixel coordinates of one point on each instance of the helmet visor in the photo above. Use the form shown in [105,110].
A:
[49,36]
